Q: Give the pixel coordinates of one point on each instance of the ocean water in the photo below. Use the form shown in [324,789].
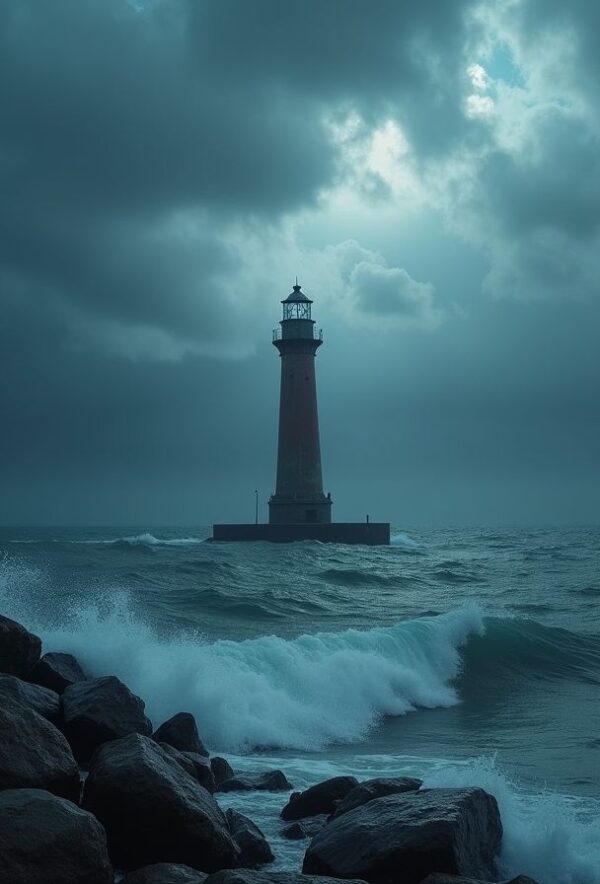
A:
[465,657]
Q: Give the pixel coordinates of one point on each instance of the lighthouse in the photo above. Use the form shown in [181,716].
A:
[299,509]
[299,496]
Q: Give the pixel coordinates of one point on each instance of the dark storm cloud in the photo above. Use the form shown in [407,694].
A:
[142,149]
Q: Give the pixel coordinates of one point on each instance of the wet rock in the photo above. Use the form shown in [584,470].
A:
[153,810]
[263,781]
[377,788]
[320,798]
[306,828]
[221,769]
[42,700]
[165,873]
[408,836]
[35,755]
[197,766]
[19,649]
[265,876]
[98,710]
[253,845]
[57,671]
[181,732]
[47,840]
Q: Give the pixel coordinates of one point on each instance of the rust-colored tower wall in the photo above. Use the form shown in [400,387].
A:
[298,494]
[299,452]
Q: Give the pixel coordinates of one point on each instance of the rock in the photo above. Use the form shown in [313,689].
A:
[306,828]
[221,769]
[181,732]
[57,671]
[198,766]
[35,755]
[321,798]
[441,878]
[42,700]
[46,840]
[377,788]
[263,781]
[165,873]
[19,649]
[406,837]
[98,710]
[153,810]
[249,838]
[265,876]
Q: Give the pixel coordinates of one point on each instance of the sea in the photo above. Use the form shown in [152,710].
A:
[466,657]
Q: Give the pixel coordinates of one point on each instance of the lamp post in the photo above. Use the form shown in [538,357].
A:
[256,506]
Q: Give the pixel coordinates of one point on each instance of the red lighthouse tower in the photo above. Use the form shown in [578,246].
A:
[299,496]
[299,510]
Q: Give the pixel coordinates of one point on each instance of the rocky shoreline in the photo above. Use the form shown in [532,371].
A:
[91,793]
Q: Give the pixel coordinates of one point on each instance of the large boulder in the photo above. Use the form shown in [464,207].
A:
[35,755]
[98,710]
[198,766]
[181,732]
[264,876]
[47,840]
[262,781]
[57,671]
[253,845]
[153,810]
[406,837]
[221,769]
[42,700]
[320,798]
[19,649]
[165,873]
[377,788]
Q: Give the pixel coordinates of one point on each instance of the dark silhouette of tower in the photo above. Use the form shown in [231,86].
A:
[299,510]
[299,496]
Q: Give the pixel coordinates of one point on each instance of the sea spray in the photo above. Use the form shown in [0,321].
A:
[303,693]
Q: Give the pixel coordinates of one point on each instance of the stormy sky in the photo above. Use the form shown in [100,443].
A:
[429,169]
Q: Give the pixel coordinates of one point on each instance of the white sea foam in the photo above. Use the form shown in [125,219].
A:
[553,838]
[303,693]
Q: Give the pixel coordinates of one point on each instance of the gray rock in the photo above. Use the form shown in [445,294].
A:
[47,840]
[197,766]
[264,876]
[181,732]
[253,845]
[221,769]
[408,836]
[42,700]
[377,788]
[165,873]
[98,710]
[320,798]
[306,828]
[57,671]
[35,755]
[153,810]
[19,649]
[263,781]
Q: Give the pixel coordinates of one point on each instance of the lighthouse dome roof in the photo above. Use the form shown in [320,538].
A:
[296,296]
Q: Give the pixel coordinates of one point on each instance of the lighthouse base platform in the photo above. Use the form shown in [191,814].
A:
[369,533]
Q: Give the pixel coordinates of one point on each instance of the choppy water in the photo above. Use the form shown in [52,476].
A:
[463,656]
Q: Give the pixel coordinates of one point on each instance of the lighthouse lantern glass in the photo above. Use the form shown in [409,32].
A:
[296,310]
